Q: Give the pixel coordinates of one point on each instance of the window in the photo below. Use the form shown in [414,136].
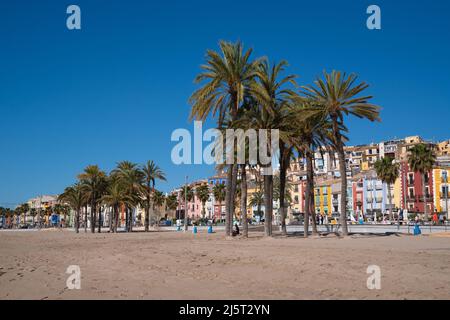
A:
[427,178]
[296,199]
[411,178]
[411,192]
[427,192]
[296,188]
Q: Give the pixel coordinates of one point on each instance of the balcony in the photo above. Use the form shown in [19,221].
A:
[379,186]
[429,198]
[379,199]
[442,195]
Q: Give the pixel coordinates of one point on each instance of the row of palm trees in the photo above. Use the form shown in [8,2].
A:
[243,93]
[126,188]
[421,159]
[21,213]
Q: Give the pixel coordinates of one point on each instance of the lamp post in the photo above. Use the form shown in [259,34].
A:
[185,205]
[444,177]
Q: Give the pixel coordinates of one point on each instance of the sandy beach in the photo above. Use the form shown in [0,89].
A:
[170,265]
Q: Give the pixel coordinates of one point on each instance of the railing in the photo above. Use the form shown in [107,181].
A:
[442,195]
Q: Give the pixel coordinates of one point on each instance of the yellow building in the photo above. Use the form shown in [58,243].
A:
[441,180]
[397,198]
[323,199]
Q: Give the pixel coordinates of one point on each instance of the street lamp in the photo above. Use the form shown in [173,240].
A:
[185,205]
[444,178]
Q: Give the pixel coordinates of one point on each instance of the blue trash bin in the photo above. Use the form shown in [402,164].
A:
[210,229]
[194,230]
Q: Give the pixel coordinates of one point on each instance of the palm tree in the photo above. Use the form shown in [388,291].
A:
[172,202]
[257,200]
[159,200]
[421,159]
[75,197]
[33,213]
[337,94]
[226,76]
[202,193]
[151,173]
[25,209]
[271,96]
[187,194]
[311,131]
[94,182]
[219,196]
[388,171]
[132,178]
[116,196]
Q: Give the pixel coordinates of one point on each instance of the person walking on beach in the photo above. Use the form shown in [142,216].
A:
[435,219]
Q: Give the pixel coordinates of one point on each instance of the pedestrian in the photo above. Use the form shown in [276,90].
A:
[435,219]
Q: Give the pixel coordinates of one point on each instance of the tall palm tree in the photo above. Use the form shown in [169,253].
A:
[219,196]
[159,200]
[132,178]
[172,202]
[339,97]
[94,182]
[151,173]
[25,209]
[202,193]
[116,196]
[387,171]
[271,94]
[421,159]
[226,77]
[311,132]
[256,200]
[75,197]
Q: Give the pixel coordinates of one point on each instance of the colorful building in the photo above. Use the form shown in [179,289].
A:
[441,180]
[412,190]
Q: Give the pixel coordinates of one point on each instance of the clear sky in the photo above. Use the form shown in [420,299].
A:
[116,89]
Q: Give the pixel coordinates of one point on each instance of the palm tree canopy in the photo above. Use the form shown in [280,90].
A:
[189,193]
[257,199]
[202,193]
[226,77]
[172,202]
[387,170]
[219,192]
[421,158]
[152,173]
[338,94]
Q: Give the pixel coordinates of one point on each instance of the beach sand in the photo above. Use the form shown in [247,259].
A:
[170,265]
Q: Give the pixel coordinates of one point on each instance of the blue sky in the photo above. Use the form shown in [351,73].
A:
[116,89]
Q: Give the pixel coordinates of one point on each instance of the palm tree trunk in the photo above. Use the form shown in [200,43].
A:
[147,211]
[100,221]
[244,201]
[309,183]
[343,172]
[85,218]
[233,194]
[284,162]
[77,220]
[390,201]
[268,188]
[228,201]
[93,216]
